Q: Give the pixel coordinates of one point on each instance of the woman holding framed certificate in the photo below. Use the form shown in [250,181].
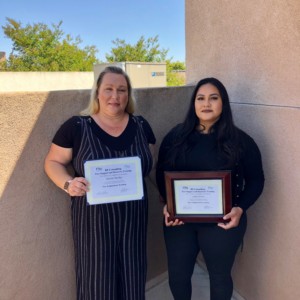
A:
[209,173]
[110,151]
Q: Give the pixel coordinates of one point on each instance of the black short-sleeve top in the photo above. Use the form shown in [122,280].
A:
[89,141]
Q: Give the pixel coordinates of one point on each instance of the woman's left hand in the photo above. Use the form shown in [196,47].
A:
[233,218]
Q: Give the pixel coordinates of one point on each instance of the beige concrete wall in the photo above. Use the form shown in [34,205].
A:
[253,47]
[142,74]
[36,253]
[147,74]
[45,81]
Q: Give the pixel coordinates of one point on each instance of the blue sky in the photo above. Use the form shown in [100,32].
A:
[100,22]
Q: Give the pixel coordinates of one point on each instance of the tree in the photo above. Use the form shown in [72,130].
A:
[40,48]
[145,50]
[174,78]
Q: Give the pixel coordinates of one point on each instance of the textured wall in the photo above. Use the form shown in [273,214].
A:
[253,47]
[36,253]
[45,81]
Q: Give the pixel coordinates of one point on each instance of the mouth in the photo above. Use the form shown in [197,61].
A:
[207,111]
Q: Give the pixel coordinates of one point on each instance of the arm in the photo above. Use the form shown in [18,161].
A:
[251,165]
[56,163]
[253,174]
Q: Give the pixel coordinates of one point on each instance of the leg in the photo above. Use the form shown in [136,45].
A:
[132,256]
[182,249]
[95,251]
[219,248]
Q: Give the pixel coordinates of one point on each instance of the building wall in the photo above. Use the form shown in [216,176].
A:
[36,253]
[147,74]
[45,81]
[253,47]
[142,74]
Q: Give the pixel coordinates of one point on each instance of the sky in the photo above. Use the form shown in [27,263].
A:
[100,22]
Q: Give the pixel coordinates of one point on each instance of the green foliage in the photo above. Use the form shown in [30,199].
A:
[145,50]
[40,48]
[176,65]
[175,78]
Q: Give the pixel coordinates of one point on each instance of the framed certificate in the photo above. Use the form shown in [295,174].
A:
[114,180]
[198,196]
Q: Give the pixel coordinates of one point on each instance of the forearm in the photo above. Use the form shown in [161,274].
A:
[57,172]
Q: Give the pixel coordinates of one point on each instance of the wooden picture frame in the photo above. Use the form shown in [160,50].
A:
[198,196]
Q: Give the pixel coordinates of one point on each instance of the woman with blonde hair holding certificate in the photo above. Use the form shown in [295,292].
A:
[207,142]
[109,230]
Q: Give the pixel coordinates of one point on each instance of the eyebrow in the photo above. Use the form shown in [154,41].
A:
[111,84]
[214,94]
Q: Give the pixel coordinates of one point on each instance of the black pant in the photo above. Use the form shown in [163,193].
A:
[218,247]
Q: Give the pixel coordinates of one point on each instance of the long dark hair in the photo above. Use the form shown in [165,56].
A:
[226,131]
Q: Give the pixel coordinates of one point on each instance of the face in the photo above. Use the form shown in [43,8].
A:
[113,94]
[208,105]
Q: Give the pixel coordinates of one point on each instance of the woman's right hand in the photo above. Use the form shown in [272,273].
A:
[78,187]
[167,215]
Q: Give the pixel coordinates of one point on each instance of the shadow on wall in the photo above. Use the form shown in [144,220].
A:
[36,254]
[37,248]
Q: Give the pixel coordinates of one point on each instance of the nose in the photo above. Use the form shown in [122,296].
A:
[114,94]
[206,103]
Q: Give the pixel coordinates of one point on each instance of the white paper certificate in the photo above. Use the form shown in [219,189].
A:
[114,180]
[198,196]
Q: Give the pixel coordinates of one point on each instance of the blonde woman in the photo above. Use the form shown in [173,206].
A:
[109,239]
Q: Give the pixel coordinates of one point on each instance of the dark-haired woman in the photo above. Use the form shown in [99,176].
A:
[208,140]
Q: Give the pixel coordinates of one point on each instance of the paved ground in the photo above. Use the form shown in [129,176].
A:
[200,282]
[200,288]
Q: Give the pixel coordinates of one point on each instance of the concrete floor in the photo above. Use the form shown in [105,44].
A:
[200,283]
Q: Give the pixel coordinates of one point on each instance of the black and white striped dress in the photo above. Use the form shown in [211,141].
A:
[109,239]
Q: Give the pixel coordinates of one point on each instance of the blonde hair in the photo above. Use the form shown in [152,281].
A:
[93,106]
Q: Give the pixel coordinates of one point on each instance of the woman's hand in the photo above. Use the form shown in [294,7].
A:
[233,217]
[167,215]
[78,186]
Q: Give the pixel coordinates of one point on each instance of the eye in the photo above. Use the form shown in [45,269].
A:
[122,91]
[199,98]
[214,98]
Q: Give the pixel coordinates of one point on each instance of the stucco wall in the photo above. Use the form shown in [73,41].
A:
[36,253]
[45,81]
[253,47]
